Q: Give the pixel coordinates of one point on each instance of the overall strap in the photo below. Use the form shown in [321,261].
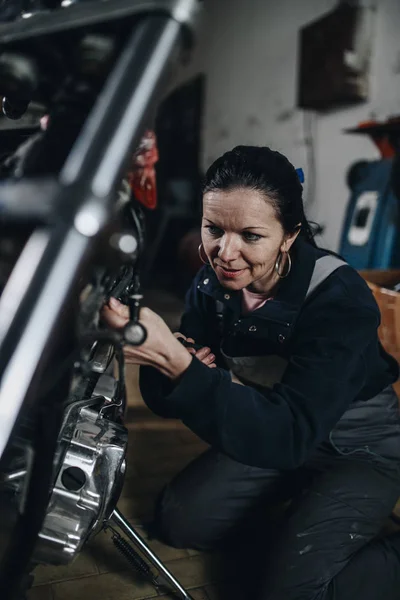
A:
[324,267]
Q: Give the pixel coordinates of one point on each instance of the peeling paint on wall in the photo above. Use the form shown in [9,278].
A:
[253,121]
[285,115]
[222,134]
[396,65]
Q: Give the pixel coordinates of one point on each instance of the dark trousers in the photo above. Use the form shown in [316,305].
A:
[327,546]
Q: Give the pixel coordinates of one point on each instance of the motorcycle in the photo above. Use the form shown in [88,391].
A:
[73,235]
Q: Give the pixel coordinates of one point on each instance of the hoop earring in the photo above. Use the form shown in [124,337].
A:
[278,263]
[199,250]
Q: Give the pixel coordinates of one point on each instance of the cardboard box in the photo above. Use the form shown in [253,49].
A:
[383,278]
[381,282]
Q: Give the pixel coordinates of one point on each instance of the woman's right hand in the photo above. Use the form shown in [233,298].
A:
[204,355]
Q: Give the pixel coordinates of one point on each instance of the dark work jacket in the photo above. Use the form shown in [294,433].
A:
[333,355]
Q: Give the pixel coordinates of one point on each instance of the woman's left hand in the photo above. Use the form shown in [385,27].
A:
[160,350]
[204,354]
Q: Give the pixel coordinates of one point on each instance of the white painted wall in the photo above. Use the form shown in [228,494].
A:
[248,50]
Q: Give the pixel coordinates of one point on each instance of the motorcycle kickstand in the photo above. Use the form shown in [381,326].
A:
[119,520]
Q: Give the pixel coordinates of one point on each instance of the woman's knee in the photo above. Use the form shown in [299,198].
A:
[178,524]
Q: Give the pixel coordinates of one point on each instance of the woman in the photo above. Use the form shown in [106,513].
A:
[291,389]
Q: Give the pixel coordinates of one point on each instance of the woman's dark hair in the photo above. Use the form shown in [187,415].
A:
[268,172]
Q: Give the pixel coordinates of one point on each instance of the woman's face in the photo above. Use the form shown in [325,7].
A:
[242,238]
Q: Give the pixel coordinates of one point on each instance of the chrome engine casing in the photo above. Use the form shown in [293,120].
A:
[91,452]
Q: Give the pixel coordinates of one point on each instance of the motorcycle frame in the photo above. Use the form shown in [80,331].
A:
[39,293]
